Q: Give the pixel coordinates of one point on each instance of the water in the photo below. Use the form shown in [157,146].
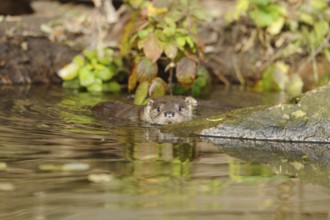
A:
[58,162]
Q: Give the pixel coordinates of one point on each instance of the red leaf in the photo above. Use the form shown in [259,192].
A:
[152,47]
[146,70]
[186,71]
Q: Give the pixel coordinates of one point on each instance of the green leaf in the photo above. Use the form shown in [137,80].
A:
[319,4]
[112,86]
[169,32]
[261,2]
[141,93]
[86,77]
[241,8]
[135,3]
[145,32]
[261,17]
[79,60]
[69,72]
[190,41]
[321,29]
[146,70]
[106,73]
[96,86]
[152,48]
[170,22]
[171,50]
[186,71]
[157,87]
[180,42]
[306,18]
[90,54]
[200,14]
[106,60]
[276,27]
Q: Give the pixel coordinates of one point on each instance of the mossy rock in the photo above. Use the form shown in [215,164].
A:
[306,121]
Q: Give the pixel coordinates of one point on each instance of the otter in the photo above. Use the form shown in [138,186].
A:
[160,111]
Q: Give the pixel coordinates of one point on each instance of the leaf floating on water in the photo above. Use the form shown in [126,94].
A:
[6,187]
[50,167]
[76,167]
[297,165]
[100,178]
[3,166]
[64,167]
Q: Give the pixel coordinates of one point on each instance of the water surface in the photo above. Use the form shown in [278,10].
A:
[58,162]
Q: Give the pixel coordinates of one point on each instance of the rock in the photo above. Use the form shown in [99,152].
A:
[17,7]
[27,60]
[306,121]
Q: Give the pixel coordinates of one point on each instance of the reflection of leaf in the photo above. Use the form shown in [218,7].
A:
[141,93]
[157,88]
[146,70]
[186,71]
[72,84]
[152,48]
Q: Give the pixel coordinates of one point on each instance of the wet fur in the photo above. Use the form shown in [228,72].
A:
[162,110]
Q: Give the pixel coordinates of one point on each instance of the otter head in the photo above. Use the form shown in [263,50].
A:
[169,110]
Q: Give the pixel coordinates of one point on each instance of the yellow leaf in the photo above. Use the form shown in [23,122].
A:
[153,11]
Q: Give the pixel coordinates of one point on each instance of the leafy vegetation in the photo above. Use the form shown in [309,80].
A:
[93,71]
[162,39]
[288,30]
[164,34]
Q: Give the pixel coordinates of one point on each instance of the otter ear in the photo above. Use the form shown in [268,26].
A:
[191,101]
[150,102]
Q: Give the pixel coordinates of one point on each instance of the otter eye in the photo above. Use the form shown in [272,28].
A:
[158,109]
[180,109]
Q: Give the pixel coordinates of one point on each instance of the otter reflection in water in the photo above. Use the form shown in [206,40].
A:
[162,110]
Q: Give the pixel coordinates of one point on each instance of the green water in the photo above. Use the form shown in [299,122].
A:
[58,162]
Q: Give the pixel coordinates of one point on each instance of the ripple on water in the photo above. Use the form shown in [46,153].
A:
[50,146]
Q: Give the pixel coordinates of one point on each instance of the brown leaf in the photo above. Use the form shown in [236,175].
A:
[157,88]
[146,70]
[152,47]
[186,71]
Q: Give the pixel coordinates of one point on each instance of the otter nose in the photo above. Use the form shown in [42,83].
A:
[169,114]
